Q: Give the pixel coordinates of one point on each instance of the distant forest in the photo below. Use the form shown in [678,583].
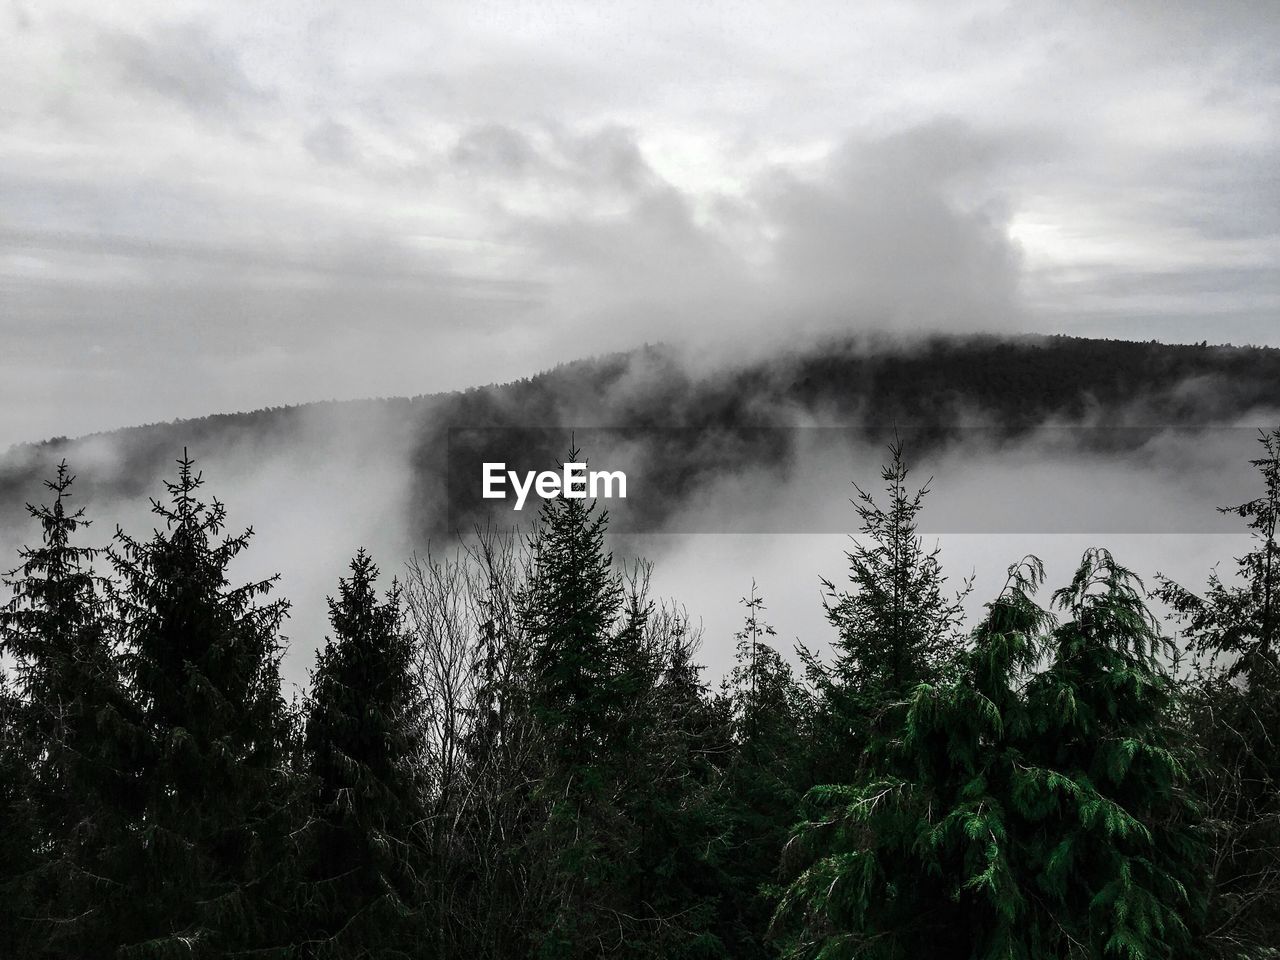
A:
[928,391]
[510,751]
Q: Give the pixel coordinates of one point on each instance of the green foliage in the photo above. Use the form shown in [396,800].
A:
[668,795]
[1239,624]
[895,626]
[1033,807]
[569,610]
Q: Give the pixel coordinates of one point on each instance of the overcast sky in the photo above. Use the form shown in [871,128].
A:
[217,206]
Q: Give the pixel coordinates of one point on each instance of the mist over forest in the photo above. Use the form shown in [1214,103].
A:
[1088,441]
[515,740]
[935,343]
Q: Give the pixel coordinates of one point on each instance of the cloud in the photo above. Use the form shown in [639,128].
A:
[183,63]
[881,240]
[331,141]
[589,248]
[409,198]
[895,233]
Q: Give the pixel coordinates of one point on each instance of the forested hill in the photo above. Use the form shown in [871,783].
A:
[513,753]
[1011,385]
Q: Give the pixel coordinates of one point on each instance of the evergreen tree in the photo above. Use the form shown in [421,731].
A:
[668,791]
[1240,624]
[539,771]
[1017,811]
[765,775]
[1233,632]
[77,721]
[364,755]
[627,783]
[895,626]
[758,687]
[569,611]
[204,661]
[20,851]
[1106,713]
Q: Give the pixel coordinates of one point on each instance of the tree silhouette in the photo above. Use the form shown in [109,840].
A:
[1233,703]
[364,757]
[79,727]
[203,658]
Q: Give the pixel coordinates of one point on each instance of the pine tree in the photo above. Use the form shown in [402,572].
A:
[668,793]
[765,775]
[627,783]
[895,626]
[78,722]
[569,611]
[757,685]
[1240,624]
[1233,693]
[364,756]
[20,848]
[1020,810]
[204,661]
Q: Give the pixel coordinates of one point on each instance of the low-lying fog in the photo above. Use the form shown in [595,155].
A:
[338,486]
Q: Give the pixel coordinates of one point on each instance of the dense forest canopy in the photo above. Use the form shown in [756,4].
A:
[512,751]
[508,746]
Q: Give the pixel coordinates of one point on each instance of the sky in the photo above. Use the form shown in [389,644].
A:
[217,206]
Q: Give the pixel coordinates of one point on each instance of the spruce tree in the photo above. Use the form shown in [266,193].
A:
[1238,625]
[895,625]
[203,658]
[1036,806]
[627,783]
[668,791]
[364,755]
[569,611]
[20,848]
[1233,695]
[78,723]
[764,777]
